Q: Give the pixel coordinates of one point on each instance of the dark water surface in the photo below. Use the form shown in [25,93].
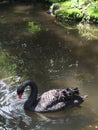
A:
[54,57]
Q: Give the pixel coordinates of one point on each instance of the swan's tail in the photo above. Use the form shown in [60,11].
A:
[84,97]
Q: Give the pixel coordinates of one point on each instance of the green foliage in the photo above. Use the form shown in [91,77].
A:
[56,1]
[73,11]
[77,10]
[93,14]
[70,14]
[66,4]
[93,11]
[34,28]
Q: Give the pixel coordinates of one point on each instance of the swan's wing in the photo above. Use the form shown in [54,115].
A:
[51,101]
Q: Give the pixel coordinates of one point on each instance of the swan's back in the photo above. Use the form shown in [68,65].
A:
[55,100]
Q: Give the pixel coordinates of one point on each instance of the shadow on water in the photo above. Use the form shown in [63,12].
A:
[53,57]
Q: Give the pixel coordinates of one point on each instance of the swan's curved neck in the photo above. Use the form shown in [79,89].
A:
[32,100]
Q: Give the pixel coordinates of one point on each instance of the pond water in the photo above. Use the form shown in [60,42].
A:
[54,57]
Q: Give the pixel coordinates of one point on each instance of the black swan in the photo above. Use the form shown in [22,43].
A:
[52,100]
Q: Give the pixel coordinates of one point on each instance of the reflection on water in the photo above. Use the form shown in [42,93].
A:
[54,58]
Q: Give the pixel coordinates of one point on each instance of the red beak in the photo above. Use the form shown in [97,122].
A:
[20,96]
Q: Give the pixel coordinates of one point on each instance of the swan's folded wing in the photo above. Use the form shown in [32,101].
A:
[50,101]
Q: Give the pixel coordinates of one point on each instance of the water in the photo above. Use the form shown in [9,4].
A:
[54,57]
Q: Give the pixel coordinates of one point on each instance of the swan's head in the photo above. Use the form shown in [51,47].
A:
[23,85]
[20,91]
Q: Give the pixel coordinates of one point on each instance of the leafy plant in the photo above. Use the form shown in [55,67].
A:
[33,27]
[56,1]
[70,14]
[66,4]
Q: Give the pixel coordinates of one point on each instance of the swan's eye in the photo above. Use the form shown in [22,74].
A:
[20,96]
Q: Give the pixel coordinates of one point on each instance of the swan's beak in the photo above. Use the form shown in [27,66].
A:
[20,96]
